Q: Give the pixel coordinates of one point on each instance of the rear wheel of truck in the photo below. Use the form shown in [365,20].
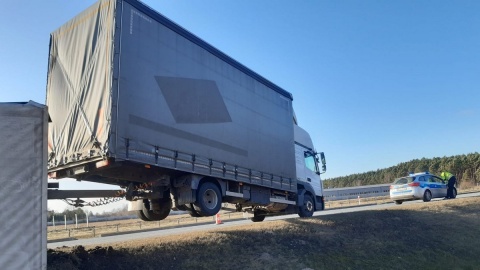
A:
[307,209]
[142,216]
[209,199]
[159,214]
[258,216]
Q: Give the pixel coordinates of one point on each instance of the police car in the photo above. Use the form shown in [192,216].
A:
[417,186]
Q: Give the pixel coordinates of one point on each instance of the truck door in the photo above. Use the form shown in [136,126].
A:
[307,168]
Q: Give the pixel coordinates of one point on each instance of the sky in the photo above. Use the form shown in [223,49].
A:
[375,83]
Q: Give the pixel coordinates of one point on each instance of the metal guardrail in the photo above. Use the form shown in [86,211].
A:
[333,194]
[87,231]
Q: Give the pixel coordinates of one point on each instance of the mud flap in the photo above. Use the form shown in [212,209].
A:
[135,205]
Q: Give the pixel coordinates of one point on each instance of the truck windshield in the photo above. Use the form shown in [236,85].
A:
[310,162]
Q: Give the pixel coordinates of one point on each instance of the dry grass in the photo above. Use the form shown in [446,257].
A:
[435,235]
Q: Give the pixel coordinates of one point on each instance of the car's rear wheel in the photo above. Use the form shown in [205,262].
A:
[398,202]
[427,196]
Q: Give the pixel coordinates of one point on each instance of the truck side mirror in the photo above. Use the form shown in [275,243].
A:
[324,163]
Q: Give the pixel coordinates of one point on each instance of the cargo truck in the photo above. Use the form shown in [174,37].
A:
[139,102]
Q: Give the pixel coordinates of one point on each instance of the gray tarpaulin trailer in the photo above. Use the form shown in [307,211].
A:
[23,192]
[139,102]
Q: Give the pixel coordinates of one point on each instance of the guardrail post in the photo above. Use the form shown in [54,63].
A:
[65,216]
[358,199]
[69,233]
[93,231]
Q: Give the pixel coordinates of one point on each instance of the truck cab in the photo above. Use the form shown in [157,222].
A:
[310,196]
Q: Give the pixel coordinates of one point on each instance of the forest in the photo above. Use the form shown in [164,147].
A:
[465,167]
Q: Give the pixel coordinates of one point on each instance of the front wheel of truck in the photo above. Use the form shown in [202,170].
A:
[307,208]
[209,199]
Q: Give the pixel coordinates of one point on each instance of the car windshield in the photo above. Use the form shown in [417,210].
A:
[403,180]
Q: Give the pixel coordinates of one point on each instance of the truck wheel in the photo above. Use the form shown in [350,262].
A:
[142,216]
[427,196]
[209,199]
[258,216]
[398,202]
[160,214]
[307,209]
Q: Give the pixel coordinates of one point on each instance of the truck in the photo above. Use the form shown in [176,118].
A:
[136,101]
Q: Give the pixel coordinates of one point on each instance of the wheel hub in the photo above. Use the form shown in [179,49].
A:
[209,199]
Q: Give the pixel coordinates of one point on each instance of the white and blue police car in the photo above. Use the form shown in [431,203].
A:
[418,186]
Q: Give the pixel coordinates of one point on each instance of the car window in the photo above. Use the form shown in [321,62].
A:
[421,179]
[403,180]
[438,180]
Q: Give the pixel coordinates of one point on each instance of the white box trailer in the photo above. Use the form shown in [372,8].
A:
[23,180]
[139,102]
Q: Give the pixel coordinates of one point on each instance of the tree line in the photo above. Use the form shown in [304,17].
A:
[465,167]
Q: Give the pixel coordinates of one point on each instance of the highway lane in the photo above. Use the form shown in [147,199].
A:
[175,231]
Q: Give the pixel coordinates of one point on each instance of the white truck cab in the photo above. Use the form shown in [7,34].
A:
[307,167]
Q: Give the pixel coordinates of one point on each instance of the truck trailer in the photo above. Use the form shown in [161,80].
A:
[138,102]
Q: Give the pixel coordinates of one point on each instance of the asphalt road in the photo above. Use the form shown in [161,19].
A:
[173,231]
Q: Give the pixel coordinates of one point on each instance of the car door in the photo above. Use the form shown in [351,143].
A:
[431,185]
[442,187]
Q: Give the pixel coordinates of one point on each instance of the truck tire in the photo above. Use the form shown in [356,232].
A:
[258,216]
[307,209]
[160,214]
[209,199]
[141,215]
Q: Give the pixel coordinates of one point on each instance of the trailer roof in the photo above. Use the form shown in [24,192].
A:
[200,42]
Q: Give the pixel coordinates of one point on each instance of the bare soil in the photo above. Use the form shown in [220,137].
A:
[434,235]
